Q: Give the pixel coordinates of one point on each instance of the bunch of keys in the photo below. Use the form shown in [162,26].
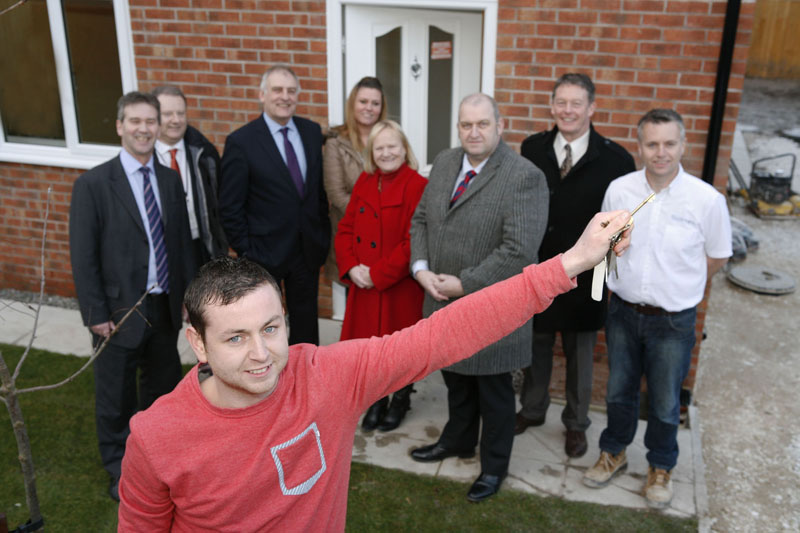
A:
[609,263]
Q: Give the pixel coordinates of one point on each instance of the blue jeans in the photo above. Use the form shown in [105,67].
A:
[660,348]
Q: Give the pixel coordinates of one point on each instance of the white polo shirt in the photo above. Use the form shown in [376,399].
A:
[666,264]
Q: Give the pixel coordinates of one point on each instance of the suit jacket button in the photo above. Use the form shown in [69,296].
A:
[361,210]
[358,239]
[372,244]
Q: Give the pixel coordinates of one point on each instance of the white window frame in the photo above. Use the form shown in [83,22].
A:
[75,154]
[334,26]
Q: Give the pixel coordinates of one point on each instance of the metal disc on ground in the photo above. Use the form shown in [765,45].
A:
[762,279]
[792,133]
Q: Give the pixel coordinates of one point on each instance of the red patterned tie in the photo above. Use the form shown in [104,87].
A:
[462,187]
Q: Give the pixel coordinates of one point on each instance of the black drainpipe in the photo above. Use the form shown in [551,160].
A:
[721,89]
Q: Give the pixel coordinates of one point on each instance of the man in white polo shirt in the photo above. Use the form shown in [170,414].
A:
[682,238]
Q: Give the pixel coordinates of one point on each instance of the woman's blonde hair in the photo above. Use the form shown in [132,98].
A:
[350,128]
[369,165]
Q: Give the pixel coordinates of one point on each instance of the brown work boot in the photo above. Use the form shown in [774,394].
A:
[604,470]
[658,490]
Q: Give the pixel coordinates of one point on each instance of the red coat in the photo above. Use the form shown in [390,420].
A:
[375,231]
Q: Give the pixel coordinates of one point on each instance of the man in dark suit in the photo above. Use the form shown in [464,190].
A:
[480,220]
[186,151]
[272,201]
[579,164]
[128,233]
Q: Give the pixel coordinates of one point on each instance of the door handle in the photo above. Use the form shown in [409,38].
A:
[416,68]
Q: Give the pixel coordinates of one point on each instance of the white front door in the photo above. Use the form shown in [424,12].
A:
[427,60]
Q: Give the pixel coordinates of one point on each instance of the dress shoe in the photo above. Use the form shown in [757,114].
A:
[374,414]
[524,423]
[433,452]
[113,488]
[576,443]
[485,486]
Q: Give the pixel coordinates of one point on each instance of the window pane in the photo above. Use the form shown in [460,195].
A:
[94,61]
[387,69]
[30,105]
[440,90]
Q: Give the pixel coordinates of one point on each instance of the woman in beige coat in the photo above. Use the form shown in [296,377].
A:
[343,163]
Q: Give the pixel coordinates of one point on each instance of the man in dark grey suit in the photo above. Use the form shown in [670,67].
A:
[480,220]
[129,233]
[272,201]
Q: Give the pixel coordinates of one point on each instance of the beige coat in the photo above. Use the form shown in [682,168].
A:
[341,166]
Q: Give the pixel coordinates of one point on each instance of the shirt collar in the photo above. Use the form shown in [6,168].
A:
[275,128]
[164,148]
[130,164]
[673,185]
[466,166]
[578,146]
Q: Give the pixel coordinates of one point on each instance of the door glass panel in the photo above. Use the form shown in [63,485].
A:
[440,90]
[94,61]
[387,68]
[30,105]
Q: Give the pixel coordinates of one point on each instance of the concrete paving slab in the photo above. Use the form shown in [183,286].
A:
[613,494]
[531,475]
[59,330]
[682,499]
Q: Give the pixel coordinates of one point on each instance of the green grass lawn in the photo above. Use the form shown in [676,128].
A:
[72,483]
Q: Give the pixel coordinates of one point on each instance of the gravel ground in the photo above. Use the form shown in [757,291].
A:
[749,378]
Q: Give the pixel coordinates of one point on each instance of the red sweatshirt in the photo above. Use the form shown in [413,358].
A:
[283,464]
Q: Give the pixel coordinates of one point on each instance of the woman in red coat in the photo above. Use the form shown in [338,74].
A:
[373,250]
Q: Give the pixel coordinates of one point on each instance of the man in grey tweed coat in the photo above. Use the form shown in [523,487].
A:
[480,220]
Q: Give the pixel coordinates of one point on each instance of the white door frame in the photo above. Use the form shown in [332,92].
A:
[334,21]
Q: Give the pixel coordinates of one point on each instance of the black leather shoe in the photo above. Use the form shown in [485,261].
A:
[374,414]
[524,423]
[485,486]
[113,488]
[433,452]
[400,404]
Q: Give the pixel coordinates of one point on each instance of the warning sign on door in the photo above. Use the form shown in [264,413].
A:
[441,49]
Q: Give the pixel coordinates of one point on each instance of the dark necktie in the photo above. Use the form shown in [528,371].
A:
[156,231]
[462,187]
[566,165]
[291,162]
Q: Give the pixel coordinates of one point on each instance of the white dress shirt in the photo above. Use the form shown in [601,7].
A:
[578,147]
[181,157]
[666,263]
[136,180]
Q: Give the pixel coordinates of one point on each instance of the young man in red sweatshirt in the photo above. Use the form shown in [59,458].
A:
[259,435]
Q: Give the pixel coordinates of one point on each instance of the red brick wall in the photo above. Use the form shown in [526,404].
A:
[23,194]
[640,53]
[217,50]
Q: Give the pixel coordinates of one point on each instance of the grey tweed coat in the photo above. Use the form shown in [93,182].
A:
[492,232]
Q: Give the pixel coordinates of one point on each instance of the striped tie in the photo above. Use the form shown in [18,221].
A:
[156,231]
[462,187]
